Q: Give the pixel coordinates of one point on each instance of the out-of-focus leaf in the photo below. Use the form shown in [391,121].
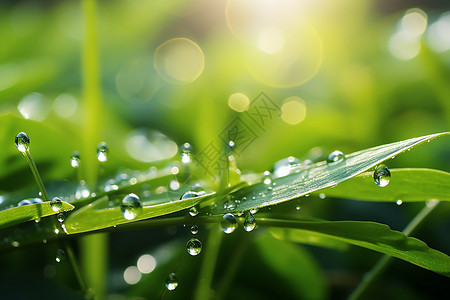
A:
[406,185]
[30,212]
[295,265]
[374,236]
[318,176]
[307,237]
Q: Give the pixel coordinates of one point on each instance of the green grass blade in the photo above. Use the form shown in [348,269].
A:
[318,176]
[29,212]
[105,212]
[374,236]
[406,185]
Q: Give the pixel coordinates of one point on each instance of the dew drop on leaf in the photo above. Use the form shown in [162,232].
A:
[60,255]
[30,201]
[194,246]
[171,282]
[228,223]
[399,202]
[267,178]
[194,229]
[188,195]
[110,185]
[75,159]
[381,175]
[22,142]
[249,221]
[335,157]
[56,204]
[102,152]
[131,206]
[285,166]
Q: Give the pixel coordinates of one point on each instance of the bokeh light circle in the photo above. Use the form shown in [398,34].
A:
[238,102]
[179,60]
[293,110]
[283,49]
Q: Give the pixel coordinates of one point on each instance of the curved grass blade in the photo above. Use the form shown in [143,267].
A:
[307,237]
[406,185]
[318,176]
[106,212]
[374,236]
[29,212]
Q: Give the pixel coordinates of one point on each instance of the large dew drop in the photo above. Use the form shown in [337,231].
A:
[186,153]
[22,142]
[171,282]
[194,246]
[249,221]
[285,167]
[190,194]
[381,175]
[335,157]
[30,201]
[75,159]
[102,152]
[228,223]
[131,206]
[56,204]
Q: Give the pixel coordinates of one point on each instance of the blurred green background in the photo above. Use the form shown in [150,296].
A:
[344,75]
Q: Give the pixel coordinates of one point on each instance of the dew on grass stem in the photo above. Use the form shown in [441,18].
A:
[22,142]
[102,152]
[335,157]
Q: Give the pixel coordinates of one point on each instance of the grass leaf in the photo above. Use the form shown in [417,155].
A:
[29,212]
[319,176]
[374,236]
[406,185]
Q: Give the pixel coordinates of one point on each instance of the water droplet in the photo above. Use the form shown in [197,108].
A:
[229,205]
[267,178]
[102,152]
[231,145]
[22,142]
[193,211]
[60,255]
[249,221]
[381,175]
[228,223]
[194,229]
[171,282]
[298,207]
[82,191]
[194,246]
[60,217]
[56,204]
[110,185]
[15,244]
[254,211]
[186,153]
[285,167]
[335,157]
[131,206]
[30,201]
[322,196]
[75,159]
[189,195]
[399,202]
